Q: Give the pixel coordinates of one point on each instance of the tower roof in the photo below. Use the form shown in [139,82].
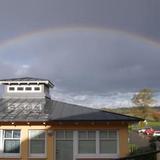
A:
[26,80]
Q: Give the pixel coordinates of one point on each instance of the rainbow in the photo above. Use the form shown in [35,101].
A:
[23,37]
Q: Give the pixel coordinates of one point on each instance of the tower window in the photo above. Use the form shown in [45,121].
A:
[24,89]
[11,88]
[37,88]
[20,88]
[28,88]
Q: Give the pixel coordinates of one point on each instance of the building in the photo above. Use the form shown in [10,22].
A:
[35,127]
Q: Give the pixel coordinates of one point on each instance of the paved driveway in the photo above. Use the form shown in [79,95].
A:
[138,140]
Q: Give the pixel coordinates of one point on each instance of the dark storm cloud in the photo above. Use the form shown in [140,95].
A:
[137,16]
[88,61]
[83,61]
[6,69]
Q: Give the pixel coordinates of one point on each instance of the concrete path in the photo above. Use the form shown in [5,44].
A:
[141,141]
[138,140]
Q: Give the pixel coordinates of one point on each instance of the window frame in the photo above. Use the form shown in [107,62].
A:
[87,138]
[77,155]
[24,89]
[64,138]
[10,155]
[20,89]
[28,89]
[98,154]
[37,155]
[36,88]
[11,90]
[108,138]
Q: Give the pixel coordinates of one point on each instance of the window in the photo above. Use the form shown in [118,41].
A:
[108,141]
[64,144]
[28,88]
[37,142]
[87,142]
[98,142]
[37,88]
[64,135]
[24,88]
[11,141]
[11,88]
[20,88]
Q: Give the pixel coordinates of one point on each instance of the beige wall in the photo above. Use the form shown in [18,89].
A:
[122,127]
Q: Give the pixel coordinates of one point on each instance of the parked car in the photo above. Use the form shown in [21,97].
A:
[142,130]
[156,133]
[149,131]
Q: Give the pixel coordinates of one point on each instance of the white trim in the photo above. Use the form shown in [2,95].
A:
[8,155]
[38,155]
[75,142]
[87,138]
[90,156]
[1,140]
[97,143]
[109,138]
[24,89]
[27,82]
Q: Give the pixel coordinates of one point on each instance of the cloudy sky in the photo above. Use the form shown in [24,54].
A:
[98,53]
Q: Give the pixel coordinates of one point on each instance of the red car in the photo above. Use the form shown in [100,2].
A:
[149,131]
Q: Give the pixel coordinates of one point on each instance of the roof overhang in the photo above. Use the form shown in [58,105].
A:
[48,83]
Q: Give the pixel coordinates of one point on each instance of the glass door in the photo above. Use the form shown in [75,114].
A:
[64,145]
[64,150]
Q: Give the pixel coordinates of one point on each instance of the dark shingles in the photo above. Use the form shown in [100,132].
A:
[50,110]
[69,112]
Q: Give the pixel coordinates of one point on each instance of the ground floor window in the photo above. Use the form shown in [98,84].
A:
[101,142]
[37,142]
[86,144]
[108,141]
[11,141]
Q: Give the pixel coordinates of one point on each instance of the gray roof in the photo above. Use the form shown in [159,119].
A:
[39,110]
[26,79]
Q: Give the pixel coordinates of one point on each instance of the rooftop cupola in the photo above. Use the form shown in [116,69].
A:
[26,87]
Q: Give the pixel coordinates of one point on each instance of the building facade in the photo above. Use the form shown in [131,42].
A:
[33,126]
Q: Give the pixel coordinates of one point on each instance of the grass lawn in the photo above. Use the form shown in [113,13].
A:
[155,125]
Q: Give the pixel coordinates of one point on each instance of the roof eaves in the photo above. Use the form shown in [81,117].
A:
[132,117]
[16,81]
